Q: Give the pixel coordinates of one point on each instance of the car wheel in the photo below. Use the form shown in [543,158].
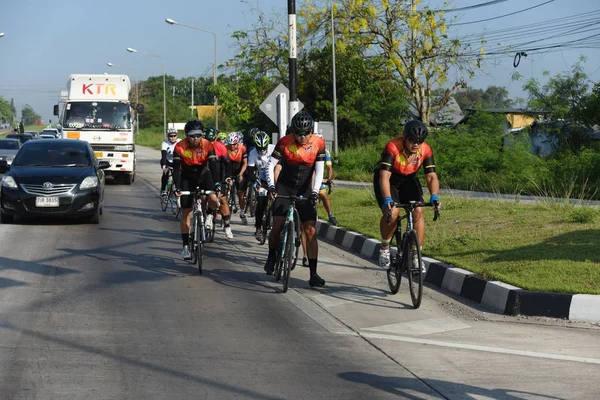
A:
[95,219]
[6,218]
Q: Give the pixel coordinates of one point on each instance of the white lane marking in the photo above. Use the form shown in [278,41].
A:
[499,350]
[421,327]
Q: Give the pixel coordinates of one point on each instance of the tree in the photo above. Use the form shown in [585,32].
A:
[414,43]
[6,114]
[28,115]
[492,97]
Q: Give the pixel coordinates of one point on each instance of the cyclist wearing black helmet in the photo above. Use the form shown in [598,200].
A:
[191,159]
[395,180]
[301,155]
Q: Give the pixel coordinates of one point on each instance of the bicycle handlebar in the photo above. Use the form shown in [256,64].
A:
[413,205]
[199,192]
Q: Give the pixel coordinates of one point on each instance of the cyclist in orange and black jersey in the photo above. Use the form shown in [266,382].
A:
[210,134]
[395,180]
[238,156]
[191,159]
[301,155]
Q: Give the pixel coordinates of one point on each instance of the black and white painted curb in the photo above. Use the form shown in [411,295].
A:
[498,296]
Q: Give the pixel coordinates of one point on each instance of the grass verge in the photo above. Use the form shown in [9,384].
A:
[545,247]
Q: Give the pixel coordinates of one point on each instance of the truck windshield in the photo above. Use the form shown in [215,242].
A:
[97,115]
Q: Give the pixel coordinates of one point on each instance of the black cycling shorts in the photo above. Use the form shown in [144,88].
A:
[402,189]
[203,180]
[306,211]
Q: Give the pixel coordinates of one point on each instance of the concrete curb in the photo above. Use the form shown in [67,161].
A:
[498,296]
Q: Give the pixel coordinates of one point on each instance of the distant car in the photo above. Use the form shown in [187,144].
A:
[60,177]
[47,136]
[21,137]
[50,131]
[8,150]
[35,134]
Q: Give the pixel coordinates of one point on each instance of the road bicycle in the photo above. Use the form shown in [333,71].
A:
[230,192]
[290,236]
[408,252]
[197,227]
[266,219]
[169,199]
[251,199]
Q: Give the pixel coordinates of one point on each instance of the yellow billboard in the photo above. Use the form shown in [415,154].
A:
[206,111]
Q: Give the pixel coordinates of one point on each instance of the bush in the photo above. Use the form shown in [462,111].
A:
[582,215]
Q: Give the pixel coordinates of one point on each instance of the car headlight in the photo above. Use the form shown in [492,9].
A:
[9,182]
[124,147]
[89,182]
[10,159]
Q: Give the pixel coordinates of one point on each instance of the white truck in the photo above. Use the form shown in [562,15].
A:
[96,108]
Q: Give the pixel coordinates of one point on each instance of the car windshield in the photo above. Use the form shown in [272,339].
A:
[55,155]
[9,145]
[97,115]
[46,132]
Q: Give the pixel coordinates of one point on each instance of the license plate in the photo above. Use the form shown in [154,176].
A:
[98,154]
[46,202]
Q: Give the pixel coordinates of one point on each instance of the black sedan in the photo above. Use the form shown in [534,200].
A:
[60,177]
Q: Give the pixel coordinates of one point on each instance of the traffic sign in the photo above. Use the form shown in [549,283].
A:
[269,106]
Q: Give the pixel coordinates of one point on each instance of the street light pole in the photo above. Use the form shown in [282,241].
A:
[137,97]
[173,22]
[129,49]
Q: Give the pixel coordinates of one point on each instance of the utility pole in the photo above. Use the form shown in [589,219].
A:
[293,100]
[192,110]
[335,132]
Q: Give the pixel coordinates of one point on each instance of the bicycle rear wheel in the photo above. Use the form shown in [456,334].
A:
[394,273]
[414,264]
[193,243]
[288,258]
[173,201]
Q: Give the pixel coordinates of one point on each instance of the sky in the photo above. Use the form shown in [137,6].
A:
[47,41]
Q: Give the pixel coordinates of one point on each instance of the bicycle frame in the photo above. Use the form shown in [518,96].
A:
[289,237]
[197,228]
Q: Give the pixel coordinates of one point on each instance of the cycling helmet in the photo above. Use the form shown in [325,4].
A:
[252,133]
[210,134]
[193,125]
[221,136]
[261,140]
[302,122]
[171,131]
[415,130]
[233,138]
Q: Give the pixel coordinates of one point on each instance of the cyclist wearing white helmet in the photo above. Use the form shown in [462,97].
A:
[238,156]
[166,159]
[258,165]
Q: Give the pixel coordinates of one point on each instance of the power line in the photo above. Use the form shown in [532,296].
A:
[489,3]
[505,15]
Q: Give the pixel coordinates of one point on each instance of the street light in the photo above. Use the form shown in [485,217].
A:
[137,97]
[335,131]
[173,22]
[129,49]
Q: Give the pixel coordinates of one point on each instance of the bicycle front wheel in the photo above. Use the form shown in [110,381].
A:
[210,233]
[414,264]
[200,243]
[288,257]
[193,242]
[164,201]
[266,221]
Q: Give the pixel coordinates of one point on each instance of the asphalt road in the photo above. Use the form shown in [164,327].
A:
[110,311]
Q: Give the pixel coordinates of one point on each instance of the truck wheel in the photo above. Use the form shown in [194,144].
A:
[128,178]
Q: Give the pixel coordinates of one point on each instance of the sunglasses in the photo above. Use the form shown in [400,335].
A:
[195,136]
[415,141]
[302,133]
[172,135]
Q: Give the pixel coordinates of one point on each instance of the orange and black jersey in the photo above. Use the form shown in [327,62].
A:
[236,157]
[399,162]
[298,161]
[191,161]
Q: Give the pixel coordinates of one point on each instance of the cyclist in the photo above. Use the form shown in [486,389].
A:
[191,160]
[221,137]
[224,166]
[239,162]
[395,180]
[258,162]
[166,159]
[301,154]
